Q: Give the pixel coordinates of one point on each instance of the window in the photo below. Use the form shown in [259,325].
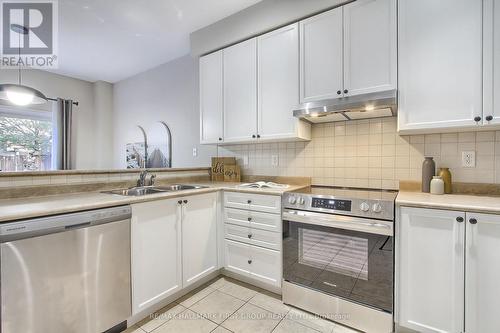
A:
[25,140]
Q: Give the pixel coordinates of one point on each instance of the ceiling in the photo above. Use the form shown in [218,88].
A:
[111,40]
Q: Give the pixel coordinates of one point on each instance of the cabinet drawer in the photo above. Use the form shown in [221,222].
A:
[254,262]
[264,238]
[237,257]
[248,218]
[256,202]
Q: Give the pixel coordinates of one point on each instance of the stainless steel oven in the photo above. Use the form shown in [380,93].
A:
[338,255]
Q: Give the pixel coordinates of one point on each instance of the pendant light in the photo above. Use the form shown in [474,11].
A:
[19,94]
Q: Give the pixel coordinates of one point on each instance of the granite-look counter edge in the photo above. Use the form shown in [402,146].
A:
[457,202]
[25,208]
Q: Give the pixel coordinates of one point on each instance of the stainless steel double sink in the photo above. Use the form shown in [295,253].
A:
[146,190]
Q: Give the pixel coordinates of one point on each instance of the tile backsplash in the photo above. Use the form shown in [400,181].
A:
[370,153]
[87,177]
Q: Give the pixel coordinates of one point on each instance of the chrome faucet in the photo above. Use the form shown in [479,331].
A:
[143,181]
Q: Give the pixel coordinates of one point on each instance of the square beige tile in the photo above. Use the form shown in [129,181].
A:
[290,326]
[194,296]
[238,290]
[252,319]
[310,320]
[270,302]
[160,317]
[217,306]
[187,322]
[221,329]
[218,282]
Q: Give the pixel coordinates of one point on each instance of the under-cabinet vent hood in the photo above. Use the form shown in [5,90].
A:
[372,105]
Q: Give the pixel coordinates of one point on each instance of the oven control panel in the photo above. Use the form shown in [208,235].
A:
[342,205]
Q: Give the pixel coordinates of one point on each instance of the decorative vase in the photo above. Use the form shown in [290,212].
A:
[428,171]
[437,185]
[446,175]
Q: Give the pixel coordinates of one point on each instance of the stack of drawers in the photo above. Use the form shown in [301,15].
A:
[252,226]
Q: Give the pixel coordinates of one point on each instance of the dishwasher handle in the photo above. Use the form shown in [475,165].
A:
[60,223]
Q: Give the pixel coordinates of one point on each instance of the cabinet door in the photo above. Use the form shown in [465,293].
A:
[370,46]
[430,273]
[199,237]
[278,82]
[237,257]
[156,252]
[491,62]
[321,71]
[240,91]
[482,295]
[265,265]
[440,69]
[211,121]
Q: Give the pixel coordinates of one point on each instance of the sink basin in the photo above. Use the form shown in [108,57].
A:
[179,187]
[140,191]
[135,191]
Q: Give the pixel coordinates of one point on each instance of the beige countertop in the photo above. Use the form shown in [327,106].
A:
[23,208]
[459,202]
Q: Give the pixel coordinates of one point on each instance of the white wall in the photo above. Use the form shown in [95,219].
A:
[166,93]
[86,131]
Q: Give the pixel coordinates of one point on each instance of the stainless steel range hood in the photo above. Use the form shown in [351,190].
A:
[373,105]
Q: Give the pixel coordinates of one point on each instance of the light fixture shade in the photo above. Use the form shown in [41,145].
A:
[21,95]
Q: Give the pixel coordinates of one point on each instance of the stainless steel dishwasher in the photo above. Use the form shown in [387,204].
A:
[66,273]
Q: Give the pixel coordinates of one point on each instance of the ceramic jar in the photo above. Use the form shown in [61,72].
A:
[437,185]
[446,175]
[428,171]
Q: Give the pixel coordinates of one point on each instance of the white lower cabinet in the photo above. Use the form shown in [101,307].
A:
[265,265]
[253,240]
[156,252]
[174,244]
[237,257]
[482,293]
[254,262]
[199,237]
[447,271]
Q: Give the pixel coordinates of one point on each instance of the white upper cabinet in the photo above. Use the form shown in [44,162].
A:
[321,68]
[278,83]
[491,62]
[199,237]
[349,50]
[440,64]
[430,270]
[482,299]
[240,91]
[211,101]
[156,252]
[370,46]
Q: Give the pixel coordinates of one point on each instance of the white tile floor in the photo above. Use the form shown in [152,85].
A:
[226,305]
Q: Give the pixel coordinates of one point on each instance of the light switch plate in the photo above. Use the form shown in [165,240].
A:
[195,152]
[245,160]
[468,159]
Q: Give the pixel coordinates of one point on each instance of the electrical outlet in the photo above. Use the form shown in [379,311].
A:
[274,160]
[468,159]
[195,152]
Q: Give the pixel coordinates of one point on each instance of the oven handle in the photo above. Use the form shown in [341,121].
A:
[340,222]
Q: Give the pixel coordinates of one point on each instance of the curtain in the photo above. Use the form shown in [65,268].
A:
[61,134]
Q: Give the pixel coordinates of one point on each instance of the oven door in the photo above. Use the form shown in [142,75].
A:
[348,257]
